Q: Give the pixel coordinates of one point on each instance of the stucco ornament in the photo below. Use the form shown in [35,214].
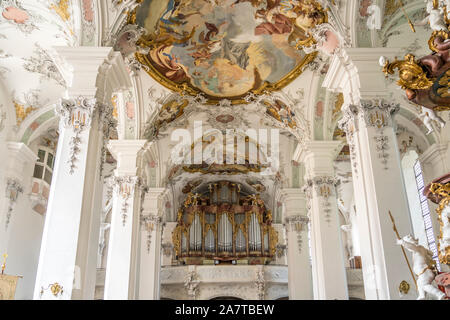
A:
[15,14]
[41,62]
[191,283]
[260,284]
[13,189]
[423,266]
[76,114]
[125,187]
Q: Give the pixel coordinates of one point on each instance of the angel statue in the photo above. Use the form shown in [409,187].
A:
[423,266]
[429,116]
[374,19]
[435,18]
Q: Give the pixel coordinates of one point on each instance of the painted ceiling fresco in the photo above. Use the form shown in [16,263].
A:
[227,48]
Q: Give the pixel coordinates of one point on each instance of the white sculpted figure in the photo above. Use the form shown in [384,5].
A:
[374,19]
[445,218]
[428,116]
[435,18]
[422,266]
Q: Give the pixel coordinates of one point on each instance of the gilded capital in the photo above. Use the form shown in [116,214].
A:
[296,223]
[378,113]
[76,113]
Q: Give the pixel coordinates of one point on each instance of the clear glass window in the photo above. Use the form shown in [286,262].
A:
[43,168]
[426,213]
[50,161]
[41,156]
[38,171]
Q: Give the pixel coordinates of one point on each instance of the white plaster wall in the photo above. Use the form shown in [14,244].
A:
[25,240]
[24,245]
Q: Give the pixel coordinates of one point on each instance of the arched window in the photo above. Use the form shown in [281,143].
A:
[43,169]
[418,205]
[42,178]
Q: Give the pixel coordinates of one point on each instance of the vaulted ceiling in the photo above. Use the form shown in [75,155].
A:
[231,64]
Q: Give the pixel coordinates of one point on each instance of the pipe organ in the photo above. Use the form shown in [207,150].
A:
[225,224]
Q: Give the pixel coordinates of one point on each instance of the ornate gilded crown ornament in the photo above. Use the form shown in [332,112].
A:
[412,76]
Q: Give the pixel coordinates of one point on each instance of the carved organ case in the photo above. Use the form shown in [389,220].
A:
[226,224]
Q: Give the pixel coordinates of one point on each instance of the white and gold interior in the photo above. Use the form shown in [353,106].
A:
[94,205]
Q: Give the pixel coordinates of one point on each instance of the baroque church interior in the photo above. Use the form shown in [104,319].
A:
[225,149]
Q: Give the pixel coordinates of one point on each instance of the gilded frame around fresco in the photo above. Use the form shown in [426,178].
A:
[187,88]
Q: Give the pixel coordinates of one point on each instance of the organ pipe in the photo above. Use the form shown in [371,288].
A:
[223,223]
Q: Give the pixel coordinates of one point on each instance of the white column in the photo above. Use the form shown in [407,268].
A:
[376,168]
[328,267]
[378,181]
[67,193]
[124,219]
[298,256]
[67,257]
[150,251]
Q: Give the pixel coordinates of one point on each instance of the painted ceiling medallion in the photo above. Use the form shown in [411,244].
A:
[227,49]
[225,118]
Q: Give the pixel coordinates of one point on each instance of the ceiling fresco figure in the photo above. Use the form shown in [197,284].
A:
[229,48]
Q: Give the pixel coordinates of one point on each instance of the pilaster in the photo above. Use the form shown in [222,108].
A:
[70,238]
[377,177]
[150,253]
[124,219]
[296,226]
[328,268]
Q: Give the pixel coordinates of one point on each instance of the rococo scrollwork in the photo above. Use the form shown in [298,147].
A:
[224,223]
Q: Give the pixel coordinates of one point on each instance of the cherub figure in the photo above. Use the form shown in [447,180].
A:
[423,267]
[428,116]
[435,18]
[374,17]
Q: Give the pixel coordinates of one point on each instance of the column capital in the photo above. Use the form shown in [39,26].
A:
[76,113]
[378,112]
[124,185]
[296,223]
[323,185]
[126,153]
[321,180]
